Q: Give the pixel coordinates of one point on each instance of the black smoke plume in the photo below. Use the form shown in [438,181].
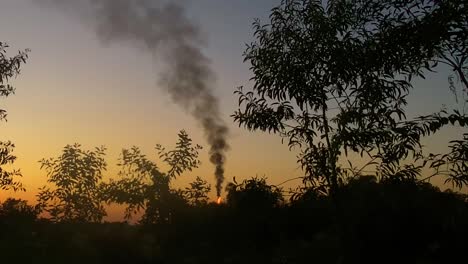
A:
[165,31]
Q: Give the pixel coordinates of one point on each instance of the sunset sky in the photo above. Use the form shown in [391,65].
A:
[74,88]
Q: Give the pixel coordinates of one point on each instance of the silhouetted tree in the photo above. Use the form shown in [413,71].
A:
[144,186]
[254,215]
[75,178]
[332,77]
[18,211]
[197,193]
[253,194]
[9,68]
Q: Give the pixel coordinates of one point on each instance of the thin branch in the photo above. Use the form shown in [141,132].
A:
[293,179]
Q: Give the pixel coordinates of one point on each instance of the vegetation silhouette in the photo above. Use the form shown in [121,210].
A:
[76,176]
[330,77]
[144,186]
[9,68]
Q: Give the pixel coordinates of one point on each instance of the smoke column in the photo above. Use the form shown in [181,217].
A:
[165,31]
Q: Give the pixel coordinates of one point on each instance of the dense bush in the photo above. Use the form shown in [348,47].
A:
[394,222]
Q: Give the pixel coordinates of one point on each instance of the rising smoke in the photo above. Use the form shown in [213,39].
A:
[163,29]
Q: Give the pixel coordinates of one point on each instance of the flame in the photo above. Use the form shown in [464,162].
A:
[219,201]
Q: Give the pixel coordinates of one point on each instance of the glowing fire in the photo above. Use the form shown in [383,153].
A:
[219,200]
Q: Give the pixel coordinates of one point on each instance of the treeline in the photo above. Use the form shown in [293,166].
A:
[367,221]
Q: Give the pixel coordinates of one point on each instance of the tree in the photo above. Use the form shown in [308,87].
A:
[75,177]
[9,68]
[332,77]
[144,186]
[197,193]
[18,211]
[253,194]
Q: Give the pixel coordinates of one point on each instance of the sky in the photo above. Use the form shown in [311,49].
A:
[75,89]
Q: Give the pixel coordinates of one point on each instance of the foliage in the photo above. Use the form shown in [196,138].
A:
[7,177]
[333,77]
[197,193]
[453,164]
[144,186]
[253,194]
[75,177]
[183,158]
[18,210]
[404,221]
[9,68]
[377,216]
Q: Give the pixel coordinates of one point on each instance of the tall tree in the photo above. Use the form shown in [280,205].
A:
[332,77]
[143,186]
[9,68]
[74,177]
